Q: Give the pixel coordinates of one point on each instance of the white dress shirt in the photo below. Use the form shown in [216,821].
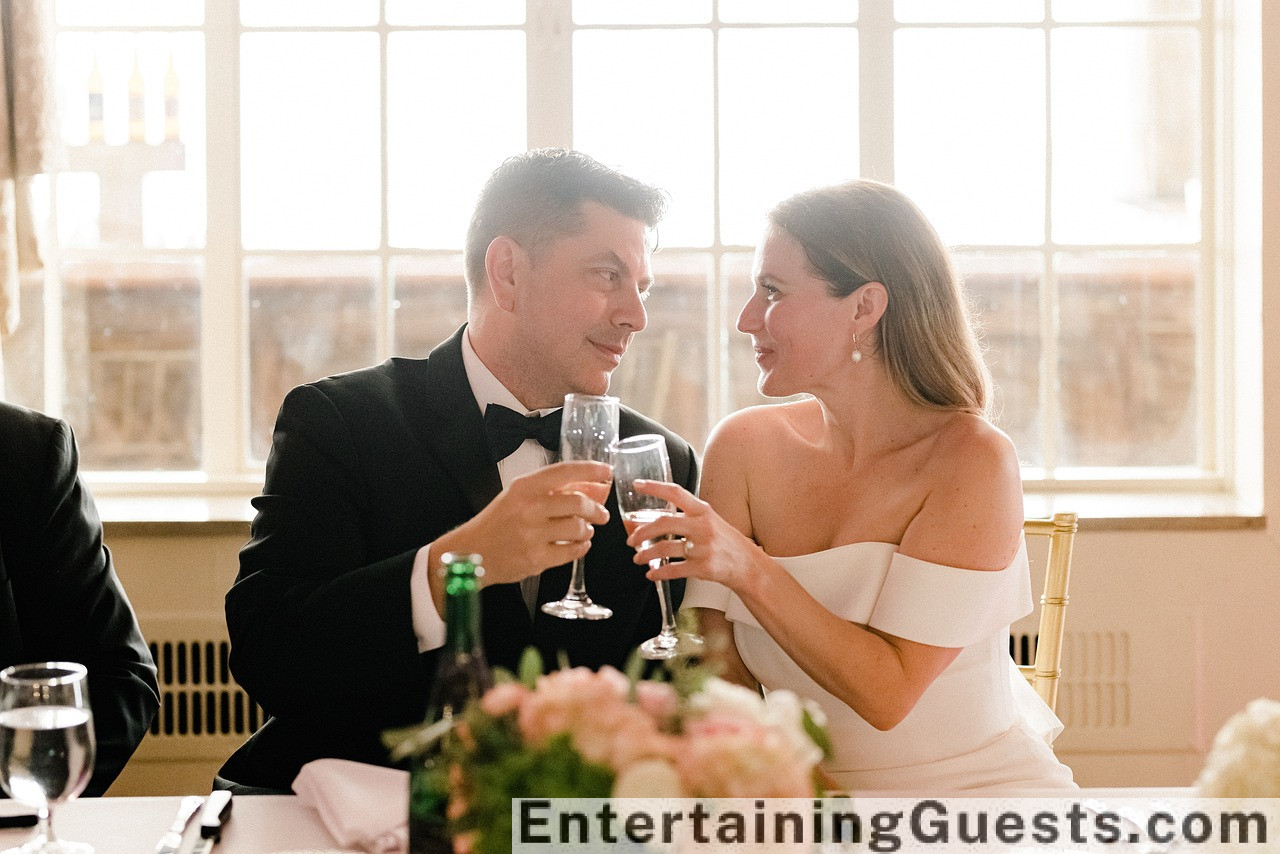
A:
[530,456]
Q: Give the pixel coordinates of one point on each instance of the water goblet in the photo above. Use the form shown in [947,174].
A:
[644,457]
[46,744]
[588,427]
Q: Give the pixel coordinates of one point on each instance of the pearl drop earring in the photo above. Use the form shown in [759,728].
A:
[857,353]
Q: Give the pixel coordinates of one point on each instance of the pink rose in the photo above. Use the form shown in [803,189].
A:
[658,699]
[502,699]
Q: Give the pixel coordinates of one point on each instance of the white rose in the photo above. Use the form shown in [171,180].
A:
[1244,761]
[648,778]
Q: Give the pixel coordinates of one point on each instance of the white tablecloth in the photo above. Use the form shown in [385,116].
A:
[258,825]
[265,824]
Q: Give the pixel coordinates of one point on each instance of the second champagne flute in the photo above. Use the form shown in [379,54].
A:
[644,457]
[589,426]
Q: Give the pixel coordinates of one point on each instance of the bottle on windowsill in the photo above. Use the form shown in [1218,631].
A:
[171,101]
[96,130]
[137,104]
[462,676]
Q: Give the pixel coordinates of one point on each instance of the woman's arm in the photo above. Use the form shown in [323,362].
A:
[720,650]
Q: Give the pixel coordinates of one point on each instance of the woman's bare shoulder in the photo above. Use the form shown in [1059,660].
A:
[972,513]
[968,442]
[766,422]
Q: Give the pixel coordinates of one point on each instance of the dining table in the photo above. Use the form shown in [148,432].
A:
[271,824]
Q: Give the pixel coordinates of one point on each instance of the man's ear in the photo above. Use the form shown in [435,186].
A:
[501,261]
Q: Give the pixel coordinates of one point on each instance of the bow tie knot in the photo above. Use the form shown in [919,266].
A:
[505,429]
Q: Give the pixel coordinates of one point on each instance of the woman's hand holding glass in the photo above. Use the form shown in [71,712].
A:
[695,542]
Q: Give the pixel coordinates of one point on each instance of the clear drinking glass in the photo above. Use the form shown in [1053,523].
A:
[46,744]
[644,457]
[588,428]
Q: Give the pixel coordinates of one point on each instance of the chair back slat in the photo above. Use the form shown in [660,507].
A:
[1045,672]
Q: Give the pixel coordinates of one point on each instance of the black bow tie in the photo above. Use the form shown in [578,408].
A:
[506,429]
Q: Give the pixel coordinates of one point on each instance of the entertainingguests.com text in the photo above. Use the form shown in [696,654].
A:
[893,824]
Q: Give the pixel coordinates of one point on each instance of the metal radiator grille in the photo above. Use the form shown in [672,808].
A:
[198,697]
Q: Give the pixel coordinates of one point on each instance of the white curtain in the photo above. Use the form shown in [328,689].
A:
[29,145]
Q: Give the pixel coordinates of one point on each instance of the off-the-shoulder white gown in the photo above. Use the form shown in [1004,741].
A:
[978,728]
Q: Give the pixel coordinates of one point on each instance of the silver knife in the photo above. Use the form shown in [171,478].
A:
[172,840]
[216,810]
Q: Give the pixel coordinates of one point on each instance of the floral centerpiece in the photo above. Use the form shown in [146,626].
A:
[577,733]
[1244,761]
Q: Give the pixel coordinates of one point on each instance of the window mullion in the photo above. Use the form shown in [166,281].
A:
[1211,317]
[549,70]
[224,417]
[1049,399]
[383,297]
[875,84]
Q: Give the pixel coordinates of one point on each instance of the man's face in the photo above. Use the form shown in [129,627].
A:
[578,301]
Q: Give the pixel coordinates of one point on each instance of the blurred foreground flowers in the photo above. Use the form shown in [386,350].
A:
[578,733]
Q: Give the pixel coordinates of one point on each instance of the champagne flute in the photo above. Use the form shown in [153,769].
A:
[589,426]
[46,744]
[644,457]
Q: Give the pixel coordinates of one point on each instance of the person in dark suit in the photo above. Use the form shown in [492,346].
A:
[60,599]
[373,475]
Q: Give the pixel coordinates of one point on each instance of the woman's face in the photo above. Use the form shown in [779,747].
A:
[801,334]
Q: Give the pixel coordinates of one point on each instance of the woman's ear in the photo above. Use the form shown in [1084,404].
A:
[501,260]
[869,303]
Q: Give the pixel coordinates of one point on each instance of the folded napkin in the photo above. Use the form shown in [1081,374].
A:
[362,806]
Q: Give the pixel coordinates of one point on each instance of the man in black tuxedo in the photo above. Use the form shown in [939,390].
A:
[373,475]
[60,599]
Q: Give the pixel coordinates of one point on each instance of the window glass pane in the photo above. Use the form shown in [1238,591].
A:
[664,373]
[779,133]
[1127,367]
[612,122]
[132,111]
[1004,292]
[450,121]
[321,13]
[1126,135]
[973,164]
[131,337]
[308,318]
[310,140]
[429,302]
[969,11]
[22,352]
[1124,10]
[649,12]
[129,13]
[793,11]
[454,12]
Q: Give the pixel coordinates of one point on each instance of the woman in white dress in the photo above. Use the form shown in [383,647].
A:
[864,547]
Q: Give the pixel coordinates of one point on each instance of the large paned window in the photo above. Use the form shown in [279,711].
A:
[261,193]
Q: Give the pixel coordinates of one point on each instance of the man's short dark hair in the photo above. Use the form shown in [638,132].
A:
[536,197]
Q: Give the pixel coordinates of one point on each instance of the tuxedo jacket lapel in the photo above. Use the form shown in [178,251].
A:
[448,420]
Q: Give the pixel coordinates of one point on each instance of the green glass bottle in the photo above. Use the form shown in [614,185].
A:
[462,676]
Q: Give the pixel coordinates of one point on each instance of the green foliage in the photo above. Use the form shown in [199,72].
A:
[501,767]
[530,667]
[818,733]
